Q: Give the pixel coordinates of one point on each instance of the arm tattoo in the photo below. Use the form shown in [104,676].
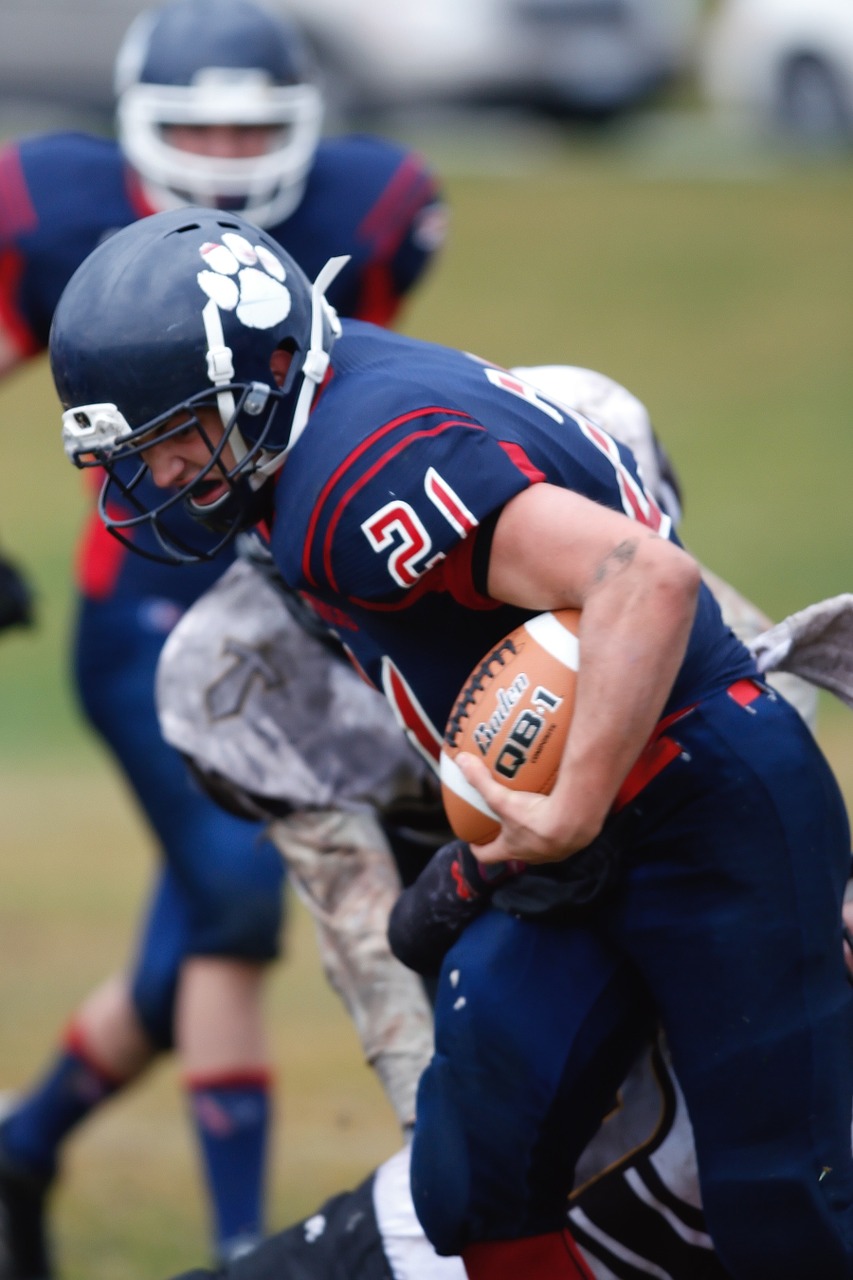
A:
[623,555]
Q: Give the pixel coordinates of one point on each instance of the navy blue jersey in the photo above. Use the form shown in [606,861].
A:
[62,194]
[409,451]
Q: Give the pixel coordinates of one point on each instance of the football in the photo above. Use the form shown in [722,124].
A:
[514,713]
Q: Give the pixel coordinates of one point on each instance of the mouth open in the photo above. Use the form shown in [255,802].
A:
[207,494]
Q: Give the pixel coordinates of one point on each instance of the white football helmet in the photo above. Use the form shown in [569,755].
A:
[218,62]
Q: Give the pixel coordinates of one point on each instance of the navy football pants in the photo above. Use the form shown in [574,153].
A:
[219,892]
[729,921]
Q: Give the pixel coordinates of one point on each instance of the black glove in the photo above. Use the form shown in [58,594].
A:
[570,890]
[16,601]
[450,892]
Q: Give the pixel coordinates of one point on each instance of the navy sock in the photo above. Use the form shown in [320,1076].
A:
[73,1086]
[232,1118]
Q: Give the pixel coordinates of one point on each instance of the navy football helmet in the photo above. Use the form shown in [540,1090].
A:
[181,310]
[226,62]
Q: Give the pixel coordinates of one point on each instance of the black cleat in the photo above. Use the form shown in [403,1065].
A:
[24,1252]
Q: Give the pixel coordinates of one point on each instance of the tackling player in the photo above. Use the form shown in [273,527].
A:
[426,502]
[216,104]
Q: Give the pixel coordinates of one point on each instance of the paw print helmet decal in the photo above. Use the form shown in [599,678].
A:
[173,313]
[218,62]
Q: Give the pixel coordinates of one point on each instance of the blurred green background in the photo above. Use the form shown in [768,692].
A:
[716,281]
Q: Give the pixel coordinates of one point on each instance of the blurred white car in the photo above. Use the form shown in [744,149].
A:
[571,57]
[591,58]
[790,62]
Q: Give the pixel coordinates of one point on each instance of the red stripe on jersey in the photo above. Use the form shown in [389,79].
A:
[99,560]
[452,574]
[457,576]
[329,613]
[744,692]
[142,206]
[519,458]
[368,475]
[378,301]
[99,555]
[405,185]
[351,458]
[419,728]
[449,503]
[431,581]
[17,212]
[386,226]
[12,324]
[636,501]
[359,669]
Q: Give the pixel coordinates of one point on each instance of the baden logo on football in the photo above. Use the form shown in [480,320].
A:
[514,712]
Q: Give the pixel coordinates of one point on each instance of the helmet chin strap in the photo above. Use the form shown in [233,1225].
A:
[316,361]
[220,370]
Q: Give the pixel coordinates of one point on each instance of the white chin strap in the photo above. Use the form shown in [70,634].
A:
[220,370]
[317,359]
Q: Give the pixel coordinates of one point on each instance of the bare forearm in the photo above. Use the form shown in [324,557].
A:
[634,631]
[637,594]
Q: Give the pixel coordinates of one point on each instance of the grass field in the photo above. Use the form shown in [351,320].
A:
[726,303]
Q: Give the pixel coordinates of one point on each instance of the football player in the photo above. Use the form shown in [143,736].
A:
[287,754]
[294,748]
[216,103]
[426,502]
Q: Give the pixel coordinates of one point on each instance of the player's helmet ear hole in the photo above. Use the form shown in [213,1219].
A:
[280,362]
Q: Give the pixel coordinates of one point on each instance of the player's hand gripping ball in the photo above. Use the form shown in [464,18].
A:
[514,713]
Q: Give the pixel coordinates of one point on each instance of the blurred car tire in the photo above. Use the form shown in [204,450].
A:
[811,102]
[786,64]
